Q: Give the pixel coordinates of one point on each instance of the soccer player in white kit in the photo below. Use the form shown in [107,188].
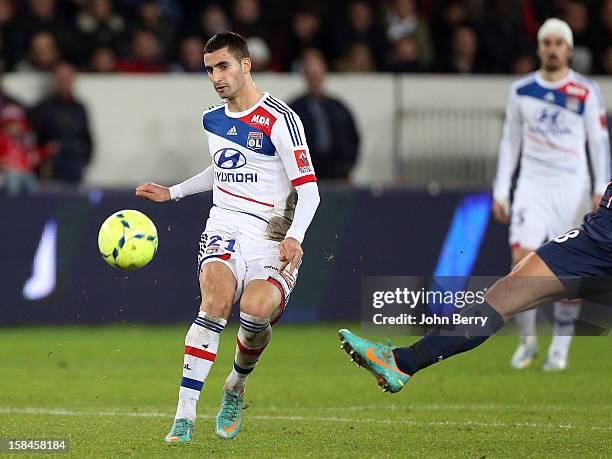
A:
[550,116]
[250,250]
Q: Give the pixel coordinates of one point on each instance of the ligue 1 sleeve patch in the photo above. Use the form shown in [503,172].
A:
[301,158]
[603,120]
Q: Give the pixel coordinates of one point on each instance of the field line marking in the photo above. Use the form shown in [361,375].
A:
[334,419]
[451,407]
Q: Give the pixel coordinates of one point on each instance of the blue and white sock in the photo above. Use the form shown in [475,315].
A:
[201,344]
[253,337]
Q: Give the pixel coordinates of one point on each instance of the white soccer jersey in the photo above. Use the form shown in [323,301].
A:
[259,157]
[550,124]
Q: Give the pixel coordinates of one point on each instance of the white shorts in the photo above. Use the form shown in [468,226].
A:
[540,214]
[247,257]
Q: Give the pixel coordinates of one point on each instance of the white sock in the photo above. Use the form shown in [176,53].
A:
[565,314]
[253,337]
[526,322]
[201,344]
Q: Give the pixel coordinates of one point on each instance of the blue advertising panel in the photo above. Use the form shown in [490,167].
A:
[51,270]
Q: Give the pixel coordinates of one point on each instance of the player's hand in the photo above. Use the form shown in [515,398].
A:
[290,252]
[500,212]
[153,192]
[595,202]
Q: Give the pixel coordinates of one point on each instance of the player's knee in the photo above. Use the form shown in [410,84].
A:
[258,303]
[216,306]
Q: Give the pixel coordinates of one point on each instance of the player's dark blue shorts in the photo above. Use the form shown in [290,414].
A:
[582,252]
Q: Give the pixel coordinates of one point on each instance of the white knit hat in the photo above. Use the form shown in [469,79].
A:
[557,27]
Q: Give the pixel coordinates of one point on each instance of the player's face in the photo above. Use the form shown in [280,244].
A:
[225,72]
[554,52]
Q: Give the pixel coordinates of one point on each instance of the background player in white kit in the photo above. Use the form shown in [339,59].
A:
[250,250]
[551,115]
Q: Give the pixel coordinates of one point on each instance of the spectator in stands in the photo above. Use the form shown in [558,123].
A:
[164,28]
[191,56]
[248,20]
[103,59]
[447,16]
[145,55]
[577,16]
[19,152]
[7,34]
[606,61]
[44,16]
[211,21]
[43,54]
[358,58]
[61,118]
[603,38]
[306,32]
[100,25]
[406,56]
[524,63]
[6,99]
[260,54]
[464,57]
[363,27]
[500,34]
[174,9]
[328,124]
[403,20]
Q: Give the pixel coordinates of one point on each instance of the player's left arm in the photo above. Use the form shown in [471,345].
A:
[598,140]
[290,142]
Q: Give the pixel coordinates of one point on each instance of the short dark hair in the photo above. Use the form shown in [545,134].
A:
[235,43]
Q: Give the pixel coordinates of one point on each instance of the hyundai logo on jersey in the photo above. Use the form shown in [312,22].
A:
[550,122]
[228,158]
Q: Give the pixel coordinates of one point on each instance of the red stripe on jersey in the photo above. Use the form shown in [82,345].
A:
[575,90]
[244,197]
[261,119]
[200,354]
[247,351]
[305,179]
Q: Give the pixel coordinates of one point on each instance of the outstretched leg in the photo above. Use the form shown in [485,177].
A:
[529,284]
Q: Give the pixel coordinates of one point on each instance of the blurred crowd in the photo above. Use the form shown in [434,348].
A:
[445,36]
[50,140]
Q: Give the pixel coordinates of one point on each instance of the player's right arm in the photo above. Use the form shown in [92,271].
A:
[509,151]
[196,184]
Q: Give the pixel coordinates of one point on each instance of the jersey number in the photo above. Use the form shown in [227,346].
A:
[215,239]
[569,235]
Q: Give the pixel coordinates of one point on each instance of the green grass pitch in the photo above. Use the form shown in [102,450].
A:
[112,391]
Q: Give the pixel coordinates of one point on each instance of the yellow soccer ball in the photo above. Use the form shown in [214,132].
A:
[127,240]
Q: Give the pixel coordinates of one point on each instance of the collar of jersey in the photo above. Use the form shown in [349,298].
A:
[556,84]
[248,110]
